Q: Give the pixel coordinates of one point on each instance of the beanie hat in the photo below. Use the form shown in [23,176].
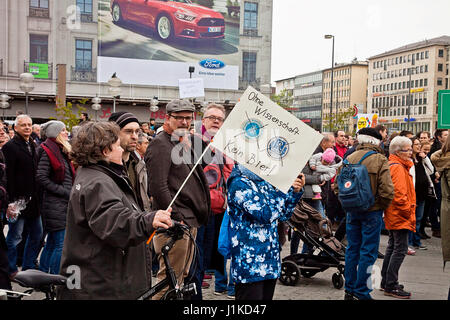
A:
[52,129]
[123,118]
[370,132]
[329,155]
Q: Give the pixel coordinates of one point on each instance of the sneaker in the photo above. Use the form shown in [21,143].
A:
[399,286]
[207,277]
[411,251]
[397,293]
[205,285]
[230,296]
[13,275]
[421,247]
[317,196]
[380,255]
[349,296]
[220,293]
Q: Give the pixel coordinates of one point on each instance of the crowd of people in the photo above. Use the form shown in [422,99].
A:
[93,196]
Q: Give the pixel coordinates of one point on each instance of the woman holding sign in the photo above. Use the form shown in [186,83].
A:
[255,207]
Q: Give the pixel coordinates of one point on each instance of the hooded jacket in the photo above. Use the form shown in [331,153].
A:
[105,237]
[401,214]
[255,207]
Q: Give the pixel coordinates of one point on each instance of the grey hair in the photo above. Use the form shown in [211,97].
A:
[215,106]
[142,137]
[363,138]
[397,143]
[326,136]
[21,116]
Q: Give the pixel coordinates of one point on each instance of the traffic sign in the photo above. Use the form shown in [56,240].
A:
[444,109]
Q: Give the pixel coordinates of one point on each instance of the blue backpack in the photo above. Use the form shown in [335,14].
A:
[355,191]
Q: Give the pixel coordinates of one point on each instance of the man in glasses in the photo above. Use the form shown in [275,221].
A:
[169,161]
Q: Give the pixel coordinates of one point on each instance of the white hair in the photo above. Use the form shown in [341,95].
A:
[398,143]
[363,138]
[21,116]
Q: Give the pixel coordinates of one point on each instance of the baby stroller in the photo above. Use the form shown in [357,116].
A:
[325,251]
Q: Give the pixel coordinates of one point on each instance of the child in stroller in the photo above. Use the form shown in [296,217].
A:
[325,251]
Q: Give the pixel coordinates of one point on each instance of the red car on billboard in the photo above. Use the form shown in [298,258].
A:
[171,18]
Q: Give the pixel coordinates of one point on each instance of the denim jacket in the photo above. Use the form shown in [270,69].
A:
[255,207]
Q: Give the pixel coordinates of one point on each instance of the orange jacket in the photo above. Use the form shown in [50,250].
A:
[401,214]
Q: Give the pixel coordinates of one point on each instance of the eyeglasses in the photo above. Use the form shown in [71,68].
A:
[181,118]
[409,150]
[213,118]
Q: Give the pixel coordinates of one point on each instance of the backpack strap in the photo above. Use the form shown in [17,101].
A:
[368,154]
[390,164]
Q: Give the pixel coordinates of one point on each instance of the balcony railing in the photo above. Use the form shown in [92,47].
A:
[39,70]
[86,17]
[83,75]
[255,83]
[251,32]
[39,12]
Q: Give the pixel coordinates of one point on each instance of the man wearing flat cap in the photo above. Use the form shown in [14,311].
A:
[136,169]
[169,158]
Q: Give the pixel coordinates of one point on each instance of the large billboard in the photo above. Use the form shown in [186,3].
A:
[154,42]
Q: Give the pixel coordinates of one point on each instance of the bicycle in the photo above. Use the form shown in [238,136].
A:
[39,281]
[175,292]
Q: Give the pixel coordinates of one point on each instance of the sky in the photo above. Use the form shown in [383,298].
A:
[362,29]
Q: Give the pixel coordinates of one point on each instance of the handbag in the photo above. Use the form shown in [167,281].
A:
[224,242]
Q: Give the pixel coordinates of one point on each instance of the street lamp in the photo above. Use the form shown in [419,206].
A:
[96,105]
[410,69]
[154,104]
[114,89]
[4,104]
[191,71]
[26,85]
[330,36]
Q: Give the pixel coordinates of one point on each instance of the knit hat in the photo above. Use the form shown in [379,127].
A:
[51,129]
[370,132]
[123,118]
[329,155]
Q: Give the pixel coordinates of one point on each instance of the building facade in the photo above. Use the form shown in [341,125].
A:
[46,36]
[308,99]
[349,90]
[404,84]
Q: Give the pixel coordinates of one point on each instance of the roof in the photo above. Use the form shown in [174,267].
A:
[443,40]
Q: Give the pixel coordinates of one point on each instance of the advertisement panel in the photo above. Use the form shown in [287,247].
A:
[154,42]
[38,70]
[367,120]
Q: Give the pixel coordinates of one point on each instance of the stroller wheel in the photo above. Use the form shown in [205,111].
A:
[338,280]
[290,273]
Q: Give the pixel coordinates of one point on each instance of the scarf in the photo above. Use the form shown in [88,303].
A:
[53,150]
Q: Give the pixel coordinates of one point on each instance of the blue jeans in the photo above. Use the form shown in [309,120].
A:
[32,245]
[363,237]
[413,237]
[51,255]
[221,283]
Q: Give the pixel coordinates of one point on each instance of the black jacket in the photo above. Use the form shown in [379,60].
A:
[105,236]
[21,167]
[55,196]
[166,174]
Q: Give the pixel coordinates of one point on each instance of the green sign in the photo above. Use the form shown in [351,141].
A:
[39,70]
[444,109]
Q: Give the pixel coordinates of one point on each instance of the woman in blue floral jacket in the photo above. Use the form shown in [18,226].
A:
[255,207]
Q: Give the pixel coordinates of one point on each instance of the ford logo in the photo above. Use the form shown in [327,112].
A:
[212,64]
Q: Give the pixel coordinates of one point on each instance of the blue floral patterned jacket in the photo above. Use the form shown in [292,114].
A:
[255,207]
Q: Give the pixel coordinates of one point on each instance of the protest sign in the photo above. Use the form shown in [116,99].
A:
[367,120]
[266,139]
[191,88]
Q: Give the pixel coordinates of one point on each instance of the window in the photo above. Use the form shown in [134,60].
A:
[43,4]
[38,48]
[85,6]
[439,81]
[440,67]
[249,66]
[425,82]
[250,18]
[441,53]
[83,55]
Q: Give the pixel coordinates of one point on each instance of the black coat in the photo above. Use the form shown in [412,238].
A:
[55,196]
[21,167]
[167,174]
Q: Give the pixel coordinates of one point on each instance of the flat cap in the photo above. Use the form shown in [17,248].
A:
[179,105]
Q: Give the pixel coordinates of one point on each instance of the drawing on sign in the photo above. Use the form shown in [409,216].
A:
[278,148]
